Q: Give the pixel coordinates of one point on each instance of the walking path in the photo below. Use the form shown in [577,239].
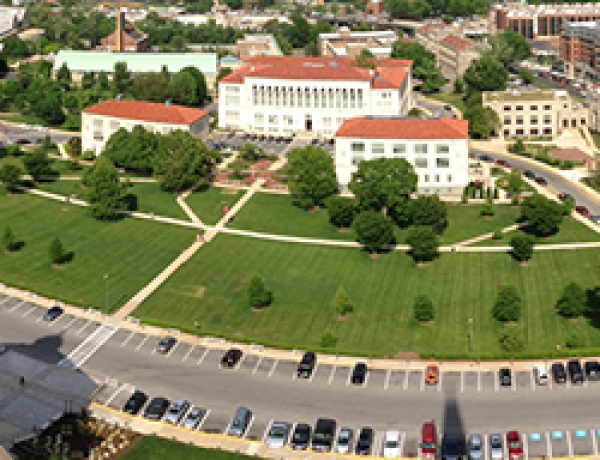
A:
[184,206]
[488,236]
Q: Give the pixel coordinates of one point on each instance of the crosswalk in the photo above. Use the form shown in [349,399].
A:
[86,349]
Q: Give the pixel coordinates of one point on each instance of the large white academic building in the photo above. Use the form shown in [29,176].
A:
[437,148]
[286,95]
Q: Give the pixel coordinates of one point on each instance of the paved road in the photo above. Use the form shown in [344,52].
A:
[463,403]
[555,180]
[11,134]
[434,108]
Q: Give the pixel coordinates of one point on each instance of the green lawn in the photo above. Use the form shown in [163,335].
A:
[449,98]
[58,166]
[208,203]
[131,252]
[275,214]
[153,448]
[211,289]
[150,197]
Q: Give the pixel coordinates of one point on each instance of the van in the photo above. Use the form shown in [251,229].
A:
[240,422]
[541,374]
[429,440]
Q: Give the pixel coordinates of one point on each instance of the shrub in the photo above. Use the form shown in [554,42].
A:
[573,301]
[424,243]
[568,206]
[497,235]
[518,147]
[341,211]
[342,303]
[423,308]
[508,305]
[522,247]
[56,251]
[258,295]
[8,239]
[488,209]
[511,340]
[567,164]
[514,200]
[328,340]
[89,155]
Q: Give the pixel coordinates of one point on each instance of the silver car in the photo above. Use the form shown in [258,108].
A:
[475,447]
[176,411]
[240,422]
[278,435]
[496,449]
[344,441]
[193,418]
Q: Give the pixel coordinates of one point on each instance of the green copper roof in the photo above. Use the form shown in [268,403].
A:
[98,61]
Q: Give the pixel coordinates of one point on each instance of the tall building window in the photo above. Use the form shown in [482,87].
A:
[420,148]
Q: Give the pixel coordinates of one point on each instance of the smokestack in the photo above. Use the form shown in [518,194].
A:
[119,32]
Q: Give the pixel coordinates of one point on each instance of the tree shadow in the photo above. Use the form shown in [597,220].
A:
[17,246]
[593,306]
[454,432]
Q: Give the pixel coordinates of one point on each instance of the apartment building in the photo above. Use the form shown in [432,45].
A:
[347,43]
[437,148]
[526,113]
[539,22]
[257,45]
[288,95]
[579,48]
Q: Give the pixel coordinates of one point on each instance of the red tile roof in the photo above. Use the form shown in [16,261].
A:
[404,128]
[390,73]
[147,111]
[457,43]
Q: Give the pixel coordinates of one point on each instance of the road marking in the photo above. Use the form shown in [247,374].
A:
[115,393]
[568,382]
[331,375]
[594,442]
[585,383]
[264,438]
[462,382]
[86,349]
[439,387]
[226,430]
[532,381]
[479,381]
[295,375]
[17,306]
[486,446]
[6,299]
[273,368]
[203,419]
[141,344]
[405,385]
[378,444]
[569,444]
[386,383]
[69,324]
[496,382]
[126,341]
[513,381]
[29,311]
[239,363]
[314,372]
[349,376]
[402,441]
[89,321]
[422,384]
[201,360]
[525,448]
[170,352]
[56,321]
[548,445]
[257,365]
[247,430]
[366,382]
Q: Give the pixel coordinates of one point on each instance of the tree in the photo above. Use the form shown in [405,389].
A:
[486,74]
[4,68]
[341,211]
[311,176]
[374,231]
[182,161]
[431,211]
[508,47]
[511,340]
[49,108]
[366,59]
[37,164]
[522,247]
[459,86]
[573,301]
[8,239]
[423,242]
[201,87]
[526,76]
[106,192]
[102,82]
[184,89]
[424,63]
[508,305]
[56,251]
[543,215]
[10,175]
[483,121]
[518,147]
[383,183]
[133,150]
[121,78]
[251,152]
[64,75]
[223,72]
[258,295]
[152,87]
[342,303]
[423,308]
[514,181]
[88,80]
[568,206]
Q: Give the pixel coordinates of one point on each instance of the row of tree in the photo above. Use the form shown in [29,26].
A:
[424,64]
[56,250]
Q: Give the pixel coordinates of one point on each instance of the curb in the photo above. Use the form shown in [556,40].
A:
[15,124]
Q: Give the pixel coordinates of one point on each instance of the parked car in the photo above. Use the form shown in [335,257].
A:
[540,374]
[359,373]
[322,440]
[278,435]
[432,374]
[486,158]
[343,444]
[541,181]
[307,364]
[365,441]
[575,371]
[496,449]
[558,373]
[391,444]
[193,418]
[156,409]
[475,447]
[585,212]
[504,376]
[503,163]
[529,174]
[165,345]
[301,436]
[135,402]
[2,348]
[22,142]
[176,411]
[595,218]
[565,196]
[231,357]
[240,422]
[53,313]
[515,446]
[592,370]
[451,449]
[428,446]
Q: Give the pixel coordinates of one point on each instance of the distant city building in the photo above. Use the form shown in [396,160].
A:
[533,113]
[374,7]
[257,45]
[346,43]
[592,98]
[13,19]
[102,120]
[126,38]
[287,95]
[437,148]
[579,48]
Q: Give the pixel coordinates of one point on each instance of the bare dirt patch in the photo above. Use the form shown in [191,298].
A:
[407,355]
[229,191]
[341,318]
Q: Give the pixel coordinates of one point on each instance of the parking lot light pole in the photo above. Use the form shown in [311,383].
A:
[106,292]
[470,335]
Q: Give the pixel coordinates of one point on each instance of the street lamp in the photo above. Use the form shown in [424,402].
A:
[106,291]
[470,335]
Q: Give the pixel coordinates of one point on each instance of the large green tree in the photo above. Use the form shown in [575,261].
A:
[37,164]
[10,175]
[522,247]
[424,64]
[106,193]
[121,78]
[431,211]
[341,211]
[486,74]
[133,150]
[573,301]
[374,231]
[184,89]
[423,242]
[311,176]
[508,47]
[508,305]
[483,121]
[153,87]
[201,87]
[543,215]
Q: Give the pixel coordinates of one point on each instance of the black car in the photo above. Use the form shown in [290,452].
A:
[307,365]
[53,313]
[22,142]
[135,402]
[324,433]
[156,409]
[359,373]
[575,371]
[451,449]
[541,181]
[301,436]
[565,196]
[165,345]
[231,357]
[529,174]
[592,370]
[365,441]
[505,377]
[487,158]
[558,373]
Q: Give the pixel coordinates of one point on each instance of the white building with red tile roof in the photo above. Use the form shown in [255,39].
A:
[437,148]
[102,120]
[287,95]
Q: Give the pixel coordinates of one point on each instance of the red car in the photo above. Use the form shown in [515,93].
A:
[515,446]
[504,163]
[585,212]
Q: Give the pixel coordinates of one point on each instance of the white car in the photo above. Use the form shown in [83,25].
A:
[391,445]
[344,441]
[24,126]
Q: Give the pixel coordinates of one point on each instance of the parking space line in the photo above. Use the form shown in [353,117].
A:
[568,383]
[201,360]
[548,445]
[249,426]
[141,344]
[89,321]
[226,430]
[257,365]
[462,381]
[187,355]
[3,301]
[496,383]
[486,446]
[29,311]
[525,448]
[439,387]
[239,364]
[594,442]
[56,321]
[532,381]
[331,375]
[273,368]
[126,341]
[349,376]
[264,438]
[378,444]
[569,444]
[114,395]
[422,384]
[585,383]
[513,382]
[314,372]
[70,323]
[295,375]
[402,441]
[201,423]
[386,383]
[16,307]
[405,384]
[366,382]
[479,381]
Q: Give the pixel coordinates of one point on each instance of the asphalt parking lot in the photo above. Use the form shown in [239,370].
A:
[271,145]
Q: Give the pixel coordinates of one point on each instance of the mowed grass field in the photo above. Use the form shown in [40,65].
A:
[132,252]
[212,289]
[154,448]
[208,203]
